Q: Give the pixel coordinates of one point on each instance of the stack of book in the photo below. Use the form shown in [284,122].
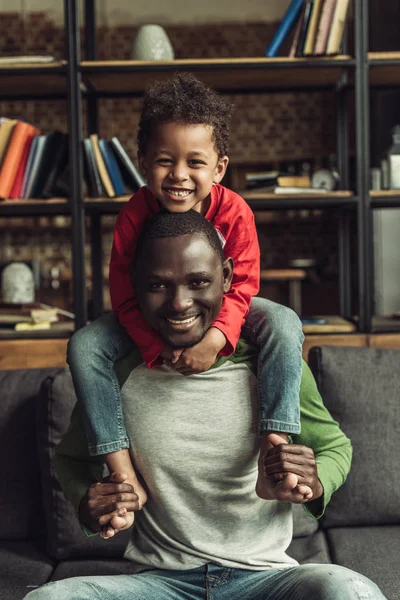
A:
[318,27]
[36,166]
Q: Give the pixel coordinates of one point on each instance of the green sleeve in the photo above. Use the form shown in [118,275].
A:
[76,470]
[319,431]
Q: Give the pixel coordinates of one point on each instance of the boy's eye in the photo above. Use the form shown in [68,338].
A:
[195,161]
[164,161]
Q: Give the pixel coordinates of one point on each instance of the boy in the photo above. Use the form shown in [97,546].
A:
[182,151]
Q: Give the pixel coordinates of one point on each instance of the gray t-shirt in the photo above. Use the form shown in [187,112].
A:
[197,452]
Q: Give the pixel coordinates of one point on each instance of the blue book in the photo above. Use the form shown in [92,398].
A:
[285,27]
[112,167]
[35,167]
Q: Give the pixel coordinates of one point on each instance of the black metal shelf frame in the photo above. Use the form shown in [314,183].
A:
[361,202]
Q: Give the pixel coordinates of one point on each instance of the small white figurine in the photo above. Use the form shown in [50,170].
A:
[17,284]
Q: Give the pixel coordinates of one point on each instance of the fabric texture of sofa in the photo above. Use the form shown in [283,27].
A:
[41,540]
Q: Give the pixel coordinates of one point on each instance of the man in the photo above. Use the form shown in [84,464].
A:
[204,533]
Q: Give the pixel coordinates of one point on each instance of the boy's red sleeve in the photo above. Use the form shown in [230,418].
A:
[242,246]
[123,298]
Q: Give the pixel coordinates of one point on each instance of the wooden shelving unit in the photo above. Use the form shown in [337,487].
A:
[33,80]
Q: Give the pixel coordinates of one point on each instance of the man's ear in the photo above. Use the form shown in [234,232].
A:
[220,169]
[142,165]
[227,270]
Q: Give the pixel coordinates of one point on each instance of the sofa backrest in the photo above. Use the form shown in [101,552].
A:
[21,504]
[361,389]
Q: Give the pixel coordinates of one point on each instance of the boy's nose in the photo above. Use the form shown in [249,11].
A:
[179,172]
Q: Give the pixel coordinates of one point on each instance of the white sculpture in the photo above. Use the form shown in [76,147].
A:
[152,43]
[17,284]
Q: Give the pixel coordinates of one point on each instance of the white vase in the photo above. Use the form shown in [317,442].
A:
[152,43]
[17,284]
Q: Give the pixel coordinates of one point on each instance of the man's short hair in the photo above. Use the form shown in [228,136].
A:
[186,100]
[167,224]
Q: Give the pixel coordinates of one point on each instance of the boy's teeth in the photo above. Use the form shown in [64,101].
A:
[180,193]
[182,322]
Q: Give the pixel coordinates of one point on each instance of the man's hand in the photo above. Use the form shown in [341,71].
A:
[292,472]
[202,356]
[109,506]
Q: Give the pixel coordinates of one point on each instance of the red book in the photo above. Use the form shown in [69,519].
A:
[13,156]
[17,185]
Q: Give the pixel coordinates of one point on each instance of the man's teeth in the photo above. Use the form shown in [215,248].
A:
[180,193]
[182,322]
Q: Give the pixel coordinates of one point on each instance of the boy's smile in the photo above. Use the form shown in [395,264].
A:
[181,164]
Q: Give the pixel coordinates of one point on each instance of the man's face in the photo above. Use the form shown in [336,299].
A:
[180,286]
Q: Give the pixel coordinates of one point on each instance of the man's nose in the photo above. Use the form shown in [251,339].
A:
[181,300]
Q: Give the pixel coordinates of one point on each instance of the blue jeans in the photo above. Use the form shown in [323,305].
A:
[210,582]
[93,350]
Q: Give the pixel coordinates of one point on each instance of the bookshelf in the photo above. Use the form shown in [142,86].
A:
[92,79]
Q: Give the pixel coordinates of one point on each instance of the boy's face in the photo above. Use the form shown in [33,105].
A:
[181,164]
[180,286]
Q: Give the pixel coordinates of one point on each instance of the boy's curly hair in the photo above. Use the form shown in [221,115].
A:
[184,99]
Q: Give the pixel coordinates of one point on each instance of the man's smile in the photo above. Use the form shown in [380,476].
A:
[182,323]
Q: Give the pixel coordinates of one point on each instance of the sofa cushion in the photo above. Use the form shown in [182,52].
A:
[21,506]
[372,551]
[360,387]
[23,567]
[310,549]
[65,538]
[87,568]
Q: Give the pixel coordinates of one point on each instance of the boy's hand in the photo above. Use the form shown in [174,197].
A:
[109,505]
[202,356]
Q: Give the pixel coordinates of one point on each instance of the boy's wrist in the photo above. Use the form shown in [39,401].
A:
[216,338]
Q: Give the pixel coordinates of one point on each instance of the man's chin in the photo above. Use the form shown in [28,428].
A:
[183,343]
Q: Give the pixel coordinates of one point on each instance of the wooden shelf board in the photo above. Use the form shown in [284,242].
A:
[384,68]
[335,324]
[222,74]
[282,275]
[255,195]
[384,193]
[33,80]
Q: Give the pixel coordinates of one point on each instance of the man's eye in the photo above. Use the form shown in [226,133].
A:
[198,283]
[154,287]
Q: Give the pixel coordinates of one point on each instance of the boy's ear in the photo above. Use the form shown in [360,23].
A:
[220,169]
[228,273]
[142,165]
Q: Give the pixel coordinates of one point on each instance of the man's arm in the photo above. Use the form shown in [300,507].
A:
[98,501]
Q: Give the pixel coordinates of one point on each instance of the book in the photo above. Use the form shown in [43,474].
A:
[305,21]
[284,28]
[112,167]
[35,164]
[299,190]
[337,27]
[92,174]
[17,185]
[56,165]
[296,34]
[6,128]
[321,39]
[312,28]
[133,177]
[104,176]
[48,154]
[28,167]
[13,156]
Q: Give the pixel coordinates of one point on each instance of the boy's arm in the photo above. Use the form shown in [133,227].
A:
[122,293]
[243,247]
[319,431]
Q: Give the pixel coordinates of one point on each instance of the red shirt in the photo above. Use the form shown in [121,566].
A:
[234,221]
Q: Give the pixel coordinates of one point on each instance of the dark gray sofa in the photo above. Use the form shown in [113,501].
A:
[40,539]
